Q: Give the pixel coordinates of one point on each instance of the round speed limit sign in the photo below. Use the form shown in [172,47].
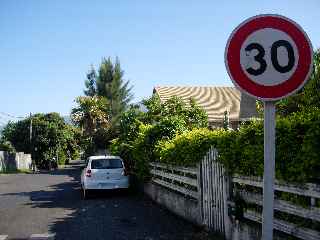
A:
[269,57]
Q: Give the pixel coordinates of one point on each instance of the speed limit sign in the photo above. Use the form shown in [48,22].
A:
[269,57]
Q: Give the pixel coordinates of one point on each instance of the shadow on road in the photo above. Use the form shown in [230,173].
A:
[112,215]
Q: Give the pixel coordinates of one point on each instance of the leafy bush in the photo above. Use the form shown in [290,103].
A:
[7,146]
[141,152]
[141,132]
[186,149]
[192,114]
[51,137]
[297,148]
[170,137]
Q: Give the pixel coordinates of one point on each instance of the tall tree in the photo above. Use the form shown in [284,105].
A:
[90,83]
[109,83]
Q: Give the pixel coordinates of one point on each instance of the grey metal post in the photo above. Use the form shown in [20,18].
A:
[30,131]
[269,170]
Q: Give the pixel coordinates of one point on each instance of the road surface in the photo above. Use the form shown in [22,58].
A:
[50,203]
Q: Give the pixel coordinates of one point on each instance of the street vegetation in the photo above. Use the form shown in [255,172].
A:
[49,138]
[168,137]
[172,132]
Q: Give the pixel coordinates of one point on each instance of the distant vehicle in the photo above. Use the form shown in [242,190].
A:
[103,172]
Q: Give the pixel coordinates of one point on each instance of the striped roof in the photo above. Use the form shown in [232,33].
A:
[214,100]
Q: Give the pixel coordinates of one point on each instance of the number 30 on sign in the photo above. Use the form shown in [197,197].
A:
[268,57]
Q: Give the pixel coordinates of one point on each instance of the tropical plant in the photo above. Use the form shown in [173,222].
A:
[91,115]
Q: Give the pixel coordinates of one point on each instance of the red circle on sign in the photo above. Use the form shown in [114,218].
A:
[274,92]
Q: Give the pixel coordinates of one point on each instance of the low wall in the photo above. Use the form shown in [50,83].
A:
[13,161]
[208,196]
[184,207]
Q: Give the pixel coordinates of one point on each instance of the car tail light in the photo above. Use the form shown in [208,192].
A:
[125,173]
[88,173]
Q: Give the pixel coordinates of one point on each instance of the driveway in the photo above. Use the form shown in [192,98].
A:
[50,203]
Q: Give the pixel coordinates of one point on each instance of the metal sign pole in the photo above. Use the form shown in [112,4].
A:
[269,170]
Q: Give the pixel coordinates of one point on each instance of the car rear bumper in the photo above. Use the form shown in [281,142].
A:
[111,184]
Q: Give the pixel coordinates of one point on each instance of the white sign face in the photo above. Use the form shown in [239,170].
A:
[269,57]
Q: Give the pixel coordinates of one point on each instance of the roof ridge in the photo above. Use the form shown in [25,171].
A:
[160,86]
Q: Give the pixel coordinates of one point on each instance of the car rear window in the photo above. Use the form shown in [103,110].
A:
[106,163]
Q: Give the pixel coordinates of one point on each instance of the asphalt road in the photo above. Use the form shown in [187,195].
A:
[50,202]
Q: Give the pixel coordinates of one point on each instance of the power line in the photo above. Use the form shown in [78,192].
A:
[3,122]
[11,116]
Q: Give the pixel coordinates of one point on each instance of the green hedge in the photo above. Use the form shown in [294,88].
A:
[297,148]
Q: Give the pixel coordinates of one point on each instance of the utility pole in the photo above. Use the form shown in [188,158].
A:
[30,135]
[31,145]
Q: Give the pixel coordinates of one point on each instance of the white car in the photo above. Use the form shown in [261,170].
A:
[103,172]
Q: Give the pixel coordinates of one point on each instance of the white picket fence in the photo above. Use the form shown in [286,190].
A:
[180,179]
[214,194]
[214,190]
[311,191]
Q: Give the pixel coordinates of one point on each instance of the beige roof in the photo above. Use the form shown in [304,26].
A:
[214,100]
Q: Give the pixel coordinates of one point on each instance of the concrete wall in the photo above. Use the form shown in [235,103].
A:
[245,231]
[189,209]
[186,208]
[13,161]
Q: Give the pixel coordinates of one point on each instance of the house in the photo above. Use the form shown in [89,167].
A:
[215,101]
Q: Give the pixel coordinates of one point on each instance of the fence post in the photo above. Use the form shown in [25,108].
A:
[226,198]
[200,189]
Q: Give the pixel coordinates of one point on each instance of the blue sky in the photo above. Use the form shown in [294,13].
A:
[46,47]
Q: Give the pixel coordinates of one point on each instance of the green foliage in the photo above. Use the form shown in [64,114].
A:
[174,132]
[129,128]
[18,134]
[193,115]
[196,116]
[129,123]
[226,120]
[188,148]
[90,83]
[311,91]
[6,146]
[51,136]
[307,99]
[140,132]
[109,83]
[141,152]
[297,148]
[91,114]
[155,108]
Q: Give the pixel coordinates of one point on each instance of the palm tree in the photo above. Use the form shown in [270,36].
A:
[91,114]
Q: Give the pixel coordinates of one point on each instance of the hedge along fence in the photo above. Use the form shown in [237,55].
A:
[297,148]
